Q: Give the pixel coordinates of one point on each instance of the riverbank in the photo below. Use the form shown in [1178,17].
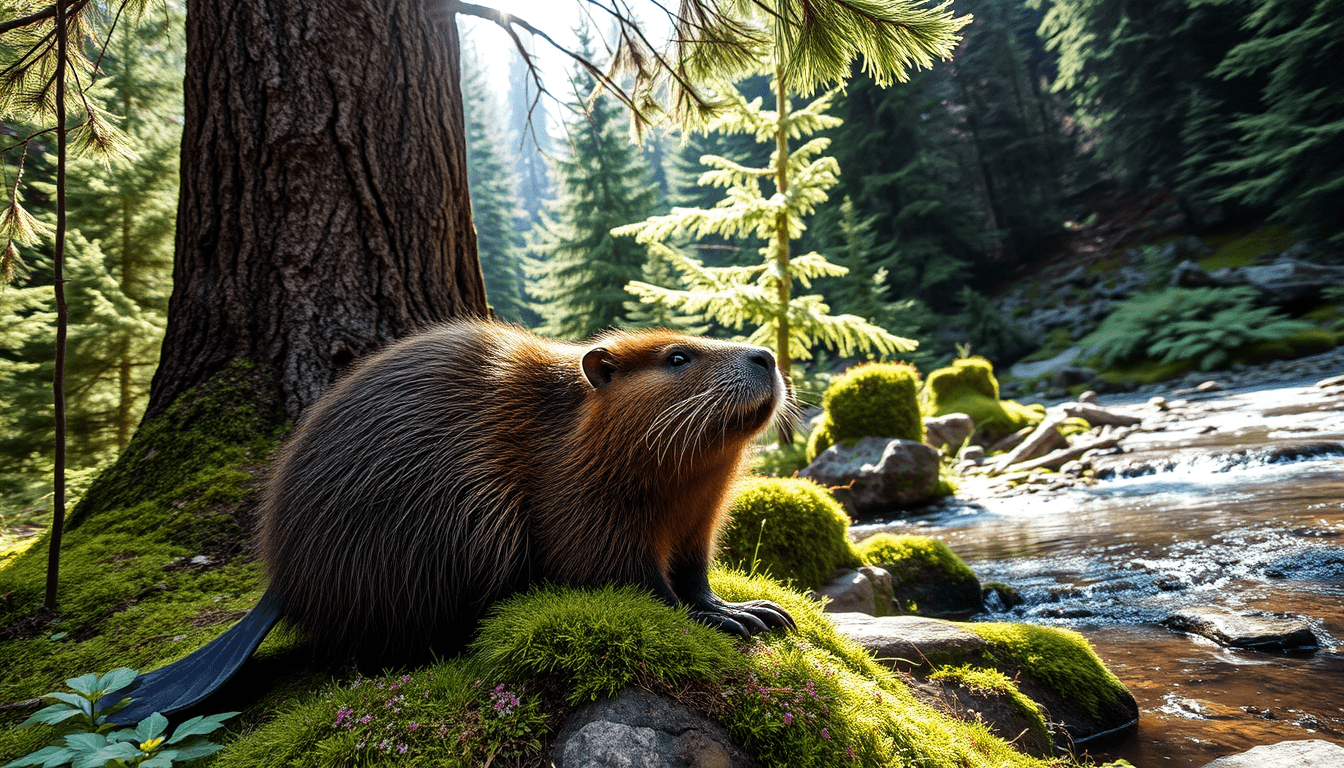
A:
[1228,499]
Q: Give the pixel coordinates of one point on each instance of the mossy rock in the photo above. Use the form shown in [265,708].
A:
[968,386]
[555,645]
[788,528]
[1058,669]
[927,577]
[1308,341]
[875,400]
[1010,714]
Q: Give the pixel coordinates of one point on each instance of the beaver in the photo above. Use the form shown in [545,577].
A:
[462,464]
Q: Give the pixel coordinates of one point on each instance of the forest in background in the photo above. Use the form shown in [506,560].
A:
[976,173]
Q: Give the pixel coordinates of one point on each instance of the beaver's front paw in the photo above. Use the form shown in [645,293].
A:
[743,619]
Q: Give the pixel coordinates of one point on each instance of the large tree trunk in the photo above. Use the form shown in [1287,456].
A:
[324,206]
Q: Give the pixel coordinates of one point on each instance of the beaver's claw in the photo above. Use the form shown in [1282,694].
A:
[743,619]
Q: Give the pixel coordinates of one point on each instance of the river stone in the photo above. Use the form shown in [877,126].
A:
[1308,753]
[1324,563]
[1042,440]
[876,474]
[1333,381]
[851,591]
[906,642]
[637,729]
[1258,633]
[950,430]
[1045,367]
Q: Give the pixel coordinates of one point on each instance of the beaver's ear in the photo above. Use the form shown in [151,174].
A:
[598,366]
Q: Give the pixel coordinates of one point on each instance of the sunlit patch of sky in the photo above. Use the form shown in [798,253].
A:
[558,19]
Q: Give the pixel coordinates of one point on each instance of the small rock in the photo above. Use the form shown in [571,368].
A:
[1157,401]
[637,729]
[851,592]
[1333,381]
[1089,397]
[882,589]
[1042,440]
[972,453]
[1209,386]
[1259,633]
[878,474]
[1307,753]
[1073,469]
[950,430]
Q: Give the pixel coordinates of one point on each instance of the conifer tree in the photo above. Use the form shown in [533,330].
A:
[1289,157]
[494,208]
[581,268]
[761,296]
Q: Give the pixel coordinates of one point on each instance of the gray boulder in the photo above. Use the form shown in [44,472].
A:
[1286,281]
[851,592]
[906,642]
[950,430]
[877,474]
[1308,753]
[637,729]
[1046,367]
[1231,629]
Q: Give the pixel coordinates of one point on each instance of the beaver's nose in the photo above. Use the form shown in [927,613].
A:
[762,357]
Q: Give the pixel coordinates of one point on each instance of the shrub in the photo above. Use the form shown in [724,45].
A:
[870,400]
[791,529]
[968,386]
[1205,325]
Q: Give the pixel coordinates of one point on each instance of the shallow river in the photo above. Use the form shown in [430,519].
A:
[1250,531]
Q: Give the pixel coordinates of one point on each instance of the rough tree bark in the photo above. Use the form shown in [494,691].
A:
[324,206]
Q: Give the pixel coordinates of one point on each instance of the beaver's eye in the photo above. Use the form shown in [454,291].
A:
[677,359]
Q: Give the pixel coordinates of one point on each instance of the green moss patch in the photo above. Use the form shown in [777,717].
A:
[869,400]
[926,577]
[1242,250]
[154,563]
[788,528]
[1060,659]
[994,685]
[968,386]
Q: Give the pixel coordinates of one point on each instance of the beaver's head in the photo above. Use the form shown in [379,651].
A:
[679,396]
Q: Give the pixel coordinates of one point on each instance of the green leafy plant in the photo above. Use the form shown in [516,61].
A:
[92,741]
[1206,325]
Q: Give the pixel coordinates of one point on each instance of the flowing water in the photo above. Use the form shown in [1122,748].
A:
[1226,506]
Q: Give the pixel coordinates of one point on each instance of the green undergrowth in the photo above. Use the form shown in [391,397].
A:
[1233,250]
[130,593]
[788,528]
[968,386]
[1060,659]
[810,699]
[891,552]
[995,682]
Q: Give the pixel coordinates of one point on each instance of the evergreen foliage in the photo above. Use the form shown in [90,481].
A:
[118,267]
[1204,325]
[990,333]
[761,297]
[580,268]
[494,208]
[531,138]
[1289,158]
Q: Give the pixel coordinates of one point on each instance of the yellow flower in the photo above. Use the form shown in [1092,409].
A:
[146,746]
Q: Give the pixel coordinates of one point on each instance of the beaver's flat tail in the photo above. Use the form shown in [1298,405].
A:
[189,680]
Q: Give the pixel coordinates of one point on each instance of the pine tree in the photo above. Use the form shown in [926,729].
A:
[581,269]
[1290,156]
[761,296]
[494,208]
[118,269]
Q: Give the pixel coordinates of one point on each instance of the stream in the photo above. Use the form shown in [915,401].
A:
[1237,501]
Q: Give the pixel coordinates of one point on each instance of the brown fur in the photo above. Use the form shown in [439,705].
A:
[460,465]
